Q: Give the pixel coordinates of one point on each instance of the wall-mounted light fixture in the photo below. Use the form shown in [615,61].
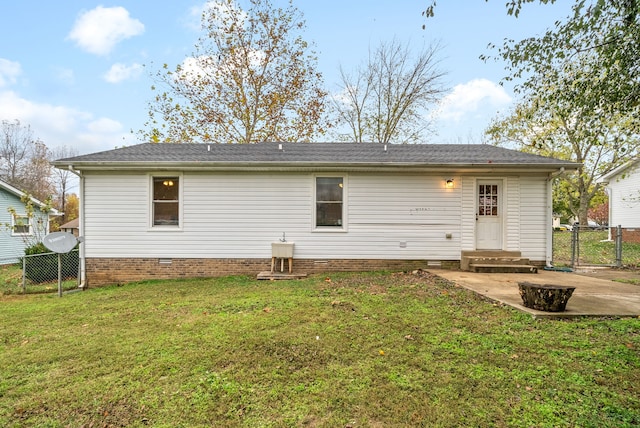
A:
[168,183]
[449,183]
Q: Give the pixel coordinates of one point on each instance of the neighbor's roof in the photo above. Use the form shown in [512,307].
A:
[20,194]
[631,166]
[72,224]
[273,155]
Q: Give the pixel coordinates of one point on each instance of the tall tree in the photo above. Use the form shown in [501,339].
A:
[24,160]
[386,99]
[609,30]
[16,142]
[63,178]
[37,174]
[251,78]
[557,118]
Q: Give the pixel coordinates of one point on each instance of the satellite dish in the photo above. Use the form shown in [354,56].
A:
[60,242]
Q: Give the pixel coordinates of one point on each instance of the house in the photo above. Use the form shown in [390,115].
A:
[623,187]
[18,229]
[71,227]
[178,210]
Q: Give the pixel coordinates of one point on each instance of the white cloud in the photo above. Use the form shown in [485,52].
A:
[220,13]
[194,18]
[97,31]
[9,72]
[472,97]
[104,126]
[119,72]
[57,125]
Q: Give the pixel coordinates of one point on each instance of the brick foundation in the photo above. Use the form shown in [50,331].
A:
[631,235]
[104,271]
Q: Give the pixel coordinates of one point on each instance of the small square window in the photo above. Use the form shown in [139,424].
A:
[166,201]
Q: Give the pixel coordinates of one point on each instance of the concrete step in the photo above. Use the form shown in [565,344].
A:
[499,260]
[503,268]
[467,256]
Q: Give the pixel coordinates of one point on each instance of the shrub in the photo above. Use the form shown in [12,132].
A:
[42,265]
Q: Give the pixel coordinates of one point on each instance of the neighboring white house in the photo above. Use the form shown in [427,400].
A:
[17,229]
[172,210]
[623,187]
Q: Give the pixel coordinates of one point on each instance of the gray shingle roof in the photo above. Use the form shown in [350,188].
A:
[317,154]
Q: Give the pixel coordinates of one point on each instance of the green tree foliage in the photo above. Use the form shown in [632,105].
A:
[386,99]
[580,89]
[557,118]
[252,78]
[605,32]
[513,7]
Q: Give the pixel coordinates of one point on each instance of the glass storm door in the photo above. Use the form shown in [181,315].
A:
[489,216]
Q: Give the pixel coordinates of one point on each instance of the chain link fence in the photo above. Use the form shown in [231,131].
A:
[597,246]
[38,273]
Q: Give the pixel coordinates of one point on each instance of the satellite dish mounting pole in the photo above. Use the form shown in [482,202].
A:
[59,274]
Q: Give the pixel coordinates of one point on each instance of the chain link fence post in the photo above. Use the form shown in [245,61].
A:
[619,246]
[574,246]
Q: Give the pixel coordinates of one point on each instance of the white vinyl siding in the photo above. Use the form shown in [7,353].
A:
[511,212]
[468,221]
[238,215]
[624,197]
[535,218]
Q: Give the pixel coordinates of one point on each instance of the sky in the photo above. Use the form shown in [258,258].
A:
[78,72]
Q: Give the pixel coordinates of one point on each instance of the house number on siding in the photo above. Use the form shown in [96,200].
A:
[413,211]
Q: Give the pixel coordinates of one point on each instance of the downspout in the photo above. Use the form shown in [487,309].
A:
[549,251]
[83,283]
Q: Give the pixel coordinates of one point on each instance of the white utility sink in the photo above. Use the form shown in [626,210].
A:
[282,250]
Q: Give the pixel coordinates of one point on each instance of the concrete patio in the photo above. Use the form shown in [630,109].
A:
[596,293]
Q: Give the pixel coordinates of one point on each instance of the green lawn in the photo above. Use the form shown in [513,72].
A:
[594,249]
[361,350]
[11,282]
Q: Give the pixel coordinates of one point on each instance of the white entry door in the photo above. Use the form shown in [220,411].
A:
[489,215]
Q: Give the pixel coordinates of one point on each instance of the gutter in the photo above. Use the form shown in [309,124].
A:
[315,166]
[83,280]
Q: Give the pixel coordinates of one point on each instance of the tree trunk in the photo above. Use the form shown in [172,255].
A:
[547,297]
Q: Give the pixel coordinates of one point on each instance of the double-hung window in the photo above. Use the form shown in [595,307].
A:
[21,225]
[329,212]
[166,201]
